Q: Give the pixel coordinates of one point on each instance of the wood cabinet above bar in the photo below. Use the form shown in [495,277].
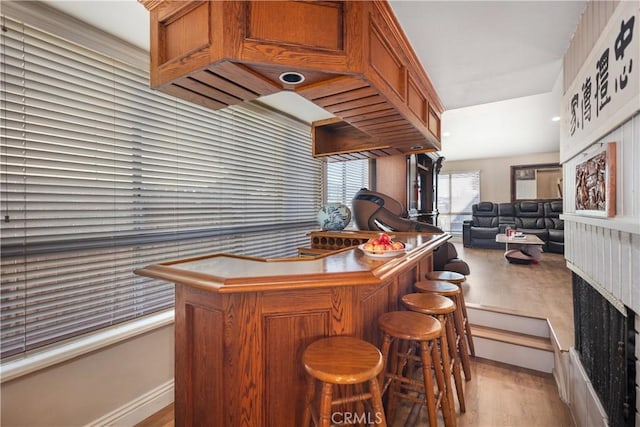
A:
[242,323]
[356,61]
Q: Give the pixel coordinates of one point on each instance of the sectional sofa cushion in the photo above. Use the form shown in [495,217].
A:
[506,215]
[485,214]
[484,223]
[555,226]
[531,217]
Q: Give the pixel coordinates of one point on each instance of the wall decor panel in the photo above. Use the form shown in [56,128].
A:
[607,257]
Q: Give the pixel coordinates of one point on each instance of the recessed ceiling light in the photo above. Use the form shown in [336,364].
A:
[446,134]
[291,77]
[555,119]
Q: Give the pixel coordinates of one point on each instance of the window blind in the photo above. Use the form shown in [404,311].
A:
[457,192]
[345,179]
[101,176]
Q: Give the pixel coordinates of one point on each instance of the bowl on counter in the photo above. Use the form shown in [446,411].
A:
[383,254]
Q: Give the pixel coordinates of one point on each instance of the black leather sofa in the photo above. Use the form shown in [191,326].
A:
[482,229]
[555,226]
[530,217]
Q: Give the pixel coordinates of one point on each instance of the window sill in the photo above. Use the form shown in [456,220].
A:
[38,360]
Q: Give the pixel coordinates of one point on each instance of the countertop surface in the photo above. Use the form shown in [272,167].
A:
[224,273]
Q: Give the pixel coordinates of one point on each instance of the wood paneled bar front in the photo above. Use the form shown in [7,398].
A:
[242,323]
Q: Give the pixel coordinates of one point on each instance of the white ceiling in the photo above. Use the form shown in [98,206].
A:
[495,64]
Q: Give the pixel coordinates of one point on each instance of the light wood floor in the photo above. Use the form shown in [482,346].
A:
[163,418]
[497,396]
[501,395]
[542,289]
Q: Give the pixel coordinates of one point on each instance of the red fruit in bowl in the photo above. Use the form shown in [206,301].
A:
[384,238]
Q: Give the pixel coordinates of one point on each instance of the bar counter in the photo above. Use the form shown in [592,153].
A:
[242,323]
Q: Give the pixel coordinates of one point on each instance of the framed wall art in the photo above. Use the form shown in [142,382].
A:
[596,183]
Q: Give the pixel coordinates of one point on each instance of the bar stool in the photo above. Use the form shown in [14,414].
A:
[415,338]
[454,292]
[456,279]
[441,308]
[342,360]
[447,276]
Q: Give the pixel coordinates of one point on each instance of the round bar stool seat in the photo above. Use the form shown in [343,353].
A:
[432,304]
[416,338]
[448,276]
[438,286]
[463,332]
[443,309]
[409,326]
[342,360]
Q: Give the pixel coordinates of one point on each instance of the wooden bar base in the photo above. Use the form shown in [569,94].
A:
[242,325]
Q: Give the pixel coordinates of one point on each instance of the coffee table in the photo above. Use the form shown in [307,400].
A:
[527,248]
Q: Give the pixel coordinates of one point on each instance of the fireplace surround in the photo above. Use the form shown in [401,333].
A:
[605,341]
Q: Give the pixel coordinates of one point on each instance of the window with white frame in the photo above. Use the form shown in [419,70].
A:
[101,176]
[345,179]
[457,192]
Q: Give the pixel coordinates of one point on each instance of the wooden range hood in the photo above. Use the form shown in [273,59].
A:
[355,59]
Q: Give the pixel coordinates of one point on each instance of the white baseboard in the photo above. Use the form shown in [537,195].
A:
[138,409]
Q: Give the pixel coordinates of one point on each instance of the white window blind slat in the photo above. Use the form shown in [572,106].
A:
[101,176]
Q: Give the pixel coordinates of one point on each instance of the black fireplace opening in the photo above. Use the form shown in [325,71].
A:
[605,340]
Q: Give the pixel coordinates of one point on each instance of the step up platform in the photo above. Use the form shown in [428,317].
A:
[512,338]
[507,320]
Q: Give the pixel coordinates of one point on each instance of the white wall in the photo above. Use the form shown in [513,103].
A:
[82,390]
[605,251]
[495,173]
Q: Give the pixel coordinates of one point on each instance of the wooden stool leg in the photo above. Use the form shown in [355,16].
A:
[395,368]
[444,382]
[462,341]
[311,391]
[408,348]
[325,405]
[376,402]
[454,354]
[425,354]
[386,344]
[467,326]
